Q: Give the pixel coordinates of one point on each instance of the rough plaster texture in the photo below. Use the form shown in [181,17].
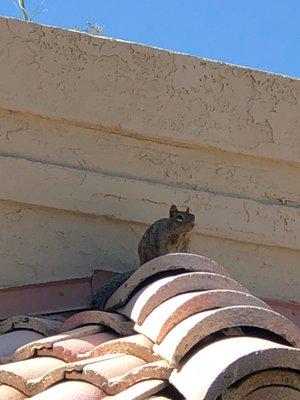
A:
[98,137]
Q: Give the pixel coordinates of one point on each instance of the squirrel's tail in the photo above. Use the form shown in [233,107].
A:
[103,294]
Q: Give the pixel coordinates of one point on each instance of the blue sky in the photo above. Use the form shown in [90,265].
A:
[262,34]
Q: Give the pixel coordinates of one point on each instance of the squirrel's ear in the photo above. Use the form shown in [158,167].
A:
[173,210]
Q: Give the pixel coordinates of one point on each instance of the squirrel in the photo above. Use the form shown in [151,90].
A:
[167,235]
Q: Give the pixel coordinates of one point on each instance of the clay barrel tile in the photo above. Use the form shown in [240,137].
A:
[20,374]
[140,391]
[71,390]
[138,345]
[10,342]
[44,326]
[168,262]
[273,377]
[114,321]
[56,374]
[74,349]
[274,393]
[102,370]
[10,393]
[198,326]
[155,370]
[30,349]
[148,298]
[120,372]
[222,363]
[169,313]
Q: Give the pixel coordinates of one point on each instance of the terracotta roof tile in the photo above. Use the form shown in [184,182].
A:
[138,345]
[140,390]
[47,343]
[169,262]
[198,326]
[182,305]
[44,326]
[10,342]
[25,375]
[74,349]
[115,321]
[10,393]
[120,372]
[254,382]
[226,361]
[148,298]
[71,390]
[274,393]
[169,313]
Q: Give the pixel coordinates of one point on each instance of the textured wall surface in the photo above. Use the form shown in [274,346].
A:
[98,137]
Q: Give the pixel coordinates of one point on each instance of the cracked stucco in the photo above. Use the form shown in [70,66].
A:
[148,92]
[221,139]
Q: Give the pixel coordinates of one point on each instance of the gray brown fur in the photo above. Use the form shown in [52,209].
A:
[167,235]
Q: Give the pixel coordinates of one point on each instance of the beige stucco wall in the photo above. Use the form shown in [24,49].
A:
[98,137]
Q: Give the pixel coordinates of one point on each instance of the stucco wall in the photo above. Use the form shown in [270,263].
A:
[98,137]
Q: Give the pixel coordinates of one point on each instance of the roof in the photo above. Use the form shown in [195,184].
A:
[181,327]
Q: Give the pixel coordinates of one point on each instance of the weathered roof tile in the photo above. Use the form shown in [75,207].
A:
[198,326]
[74,349]
[47,343]
[146,299]
[10,393]
[114,321]
[11,341]
[182,314]
[138,345]
[170,312]
[224,362]
[170,262]
[71,390]
[140,390]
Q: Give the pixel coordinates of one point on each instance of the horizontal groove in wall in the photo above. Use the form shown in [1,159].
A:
[141,201]
[267,201]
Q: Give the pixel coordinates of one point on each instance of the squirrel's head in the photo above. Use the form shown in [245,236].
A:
[182,221]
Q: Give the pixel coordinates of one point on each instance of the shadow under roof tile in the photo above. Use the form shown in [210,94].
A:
[10,342]
[172,311]
[114,321]
[193,329]
[10,393]
[140,391]
[273,377]
[274,393]
[226,361]
[151,296]
[71,390]
[168,262]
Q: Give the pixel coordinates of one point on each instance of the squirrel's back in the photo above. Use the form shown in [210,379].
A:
[151,242]
[108,288]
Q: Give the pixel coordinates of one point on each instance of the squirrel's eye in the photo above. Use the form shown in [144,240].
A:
[180,218]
